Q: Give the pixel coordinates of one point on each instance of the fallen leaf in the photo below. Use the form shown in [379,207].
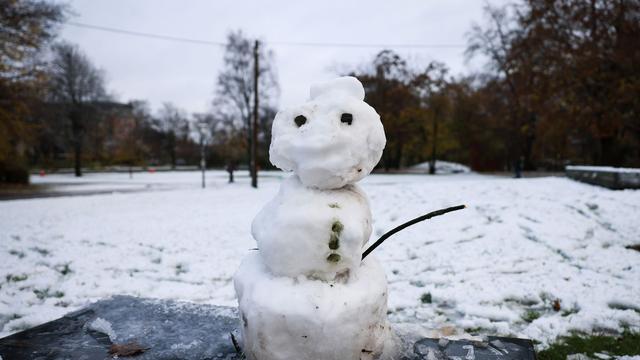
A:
[128,349]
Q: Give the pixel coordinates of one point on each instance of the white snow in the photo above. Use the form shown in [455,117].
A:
[520,244]
[346,86]
[299,229]
[300,318]
[322,150]
[442,167]
[103,326]
[185,346]
[604,169]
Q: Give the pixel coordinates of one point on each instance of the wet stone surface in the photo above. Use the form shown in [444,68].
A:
[168,329]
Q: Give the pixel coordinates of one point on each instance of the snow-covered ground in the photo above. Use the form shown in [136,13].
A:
[521,247]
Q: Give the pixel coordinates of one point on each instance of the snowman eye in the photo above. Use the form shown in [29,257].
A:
[300,120]
[346,118]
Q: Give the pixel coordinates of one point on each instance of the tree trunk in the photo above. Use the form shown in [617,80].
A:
[76,129]
[230,168]
[432,163]
[397,155]
[77,147]
[171,148]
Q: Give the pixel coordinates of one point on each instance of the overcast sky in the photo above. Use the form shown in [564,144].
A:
[184,73]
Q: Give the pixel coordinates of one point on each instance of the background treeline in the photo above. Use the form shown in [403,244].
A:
[56,112]
[561,85]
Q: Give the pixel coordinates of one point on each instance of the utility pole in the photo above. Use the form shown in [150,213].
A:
[254,132]
[203,160]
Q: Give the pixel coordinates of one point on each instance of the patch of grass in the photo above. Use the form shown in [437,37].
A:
[474,330]
[570,311]
[181,269]
[43,294]
[523,301]
[626,344]
[17,253]
[530,315]
[426,298]
[41,251]
[16,278]
[623,306]
[63,269]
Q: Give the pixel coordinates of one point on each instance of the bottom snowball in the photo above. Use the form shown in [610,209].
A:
[299,318]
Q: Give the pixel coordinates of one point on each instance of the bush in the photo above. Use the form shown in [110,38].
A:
[14,173]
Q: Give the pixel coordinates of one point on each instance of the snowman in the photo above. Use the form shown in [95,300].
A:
[306,293]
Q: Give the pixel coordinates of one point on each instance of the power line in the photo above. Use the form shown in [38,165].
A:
[147,35]
[353,45]
[275,43]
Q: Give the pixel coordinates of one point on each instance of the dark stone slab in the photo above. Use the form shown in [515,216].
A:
[171,330]
[493,348]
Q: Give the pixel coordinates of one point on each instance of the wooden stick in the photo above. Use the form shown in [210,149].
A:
[409,223]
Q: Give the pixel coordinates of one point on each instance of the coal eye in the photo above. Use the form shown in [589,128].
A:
[346,118]
[300,120]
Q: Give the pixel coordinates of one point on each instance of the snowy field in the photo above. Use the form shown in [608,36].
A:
[533,258]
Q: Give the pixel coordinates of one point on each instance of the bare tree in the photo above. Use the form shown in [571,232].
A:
[235,89]
[26,27]
[173,123]
[228,140]
[76,84]
[498,41]
[430,86]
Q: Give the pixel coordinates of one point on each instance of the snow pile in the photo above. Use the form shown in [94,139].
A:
[188,346]
[103,326]
[307,294]
[332,140]
[443,167]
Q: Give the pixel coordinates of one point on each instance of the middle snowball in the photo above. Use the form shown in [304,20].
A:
[316,233]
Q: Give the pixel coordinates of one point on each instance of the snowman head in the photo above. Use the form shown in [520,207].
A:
[332,140]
